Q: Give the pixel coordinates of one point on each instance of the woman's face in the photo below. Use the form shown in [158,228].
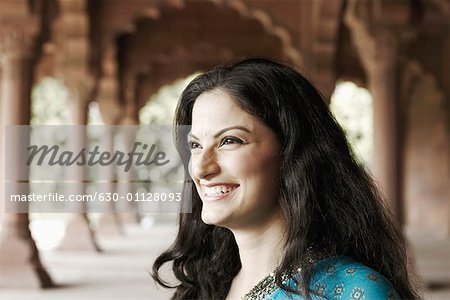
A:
[234,163]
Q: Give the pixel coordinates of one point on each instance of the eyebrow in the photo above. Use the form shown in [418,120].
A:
[222,131]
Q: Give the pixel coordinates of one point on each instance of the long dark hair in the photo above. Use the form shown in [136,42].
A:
[326,198]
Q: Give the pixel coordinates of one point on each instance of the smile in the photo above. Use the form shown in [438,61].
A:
[218,191]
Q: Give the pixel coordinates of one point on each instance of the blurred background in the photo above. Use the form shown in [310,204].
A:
[383,66]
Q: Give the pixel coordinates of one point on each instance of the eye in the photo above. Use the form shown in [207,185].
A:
[230,140]
[194,145]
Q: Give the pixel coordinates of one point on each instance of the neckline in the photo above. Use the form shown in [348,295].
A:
[266,286]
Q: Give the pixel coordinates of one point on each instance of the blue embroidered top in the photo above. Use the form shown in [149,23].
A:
[343,278]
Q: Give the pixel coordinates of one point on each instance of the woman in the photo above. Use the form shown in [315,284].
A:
[280,207]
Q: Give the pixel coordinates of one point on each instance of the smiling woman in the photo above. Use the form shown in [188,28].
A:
[234,163]
[280,208]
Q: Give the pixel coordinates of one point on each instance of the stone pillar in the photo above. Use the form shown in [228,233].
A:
[2,153]
[79,224]
[20,266]
[378,46]
[71,36]
[378,29]
[319,34]
[382,84]
[125,139]
[110,221]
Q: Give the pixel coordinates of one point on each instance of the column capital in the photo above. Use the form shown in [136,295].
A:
[18,41]
[379,29]
[80,88]
[80,85]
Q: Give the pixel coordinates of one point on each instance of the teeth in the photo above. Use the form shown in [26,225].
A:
[217,190]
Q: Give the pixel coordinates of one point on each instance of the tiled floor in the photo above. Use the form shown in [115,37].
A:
[121,271]
[433,266]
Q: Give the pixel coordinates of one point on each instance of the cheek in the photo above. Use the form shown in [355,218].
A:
[260,166]
[191,174]
[190,168]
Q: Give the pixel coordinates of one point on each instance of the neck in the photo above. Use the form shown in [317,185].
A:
[260,249]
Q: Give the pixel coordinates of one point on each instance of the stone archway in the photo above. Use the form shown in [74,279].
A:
[170,42]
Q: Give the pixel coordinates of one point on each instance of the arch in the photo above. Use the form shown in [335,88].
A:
[181,62]
[183,29]
[159,10]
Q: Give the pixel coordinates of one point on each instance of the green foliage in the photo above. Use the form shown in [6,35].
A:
[160,108]
[49,103]
[352,108]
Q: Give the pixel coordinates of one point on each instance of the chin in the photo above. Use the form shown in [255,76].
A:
[212,220]
[209,220]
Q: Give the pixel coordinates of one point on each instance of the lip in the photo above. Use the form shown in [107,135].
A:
[211,184]
[220,196]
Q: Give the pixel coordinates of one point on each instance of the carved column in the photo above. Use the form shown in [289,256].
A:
[126,136]
[377,45]
[319,39]
[79,224]
[110,222]
[382,84]
[71,35]
[378,29]
[2,153]
[19,257]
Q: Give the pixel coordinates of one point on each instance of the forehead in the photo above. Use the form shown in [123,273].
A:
[217,109]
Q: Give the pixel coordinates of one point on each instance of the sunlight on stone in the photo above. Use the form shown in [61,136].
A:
[47,233]
[49,102]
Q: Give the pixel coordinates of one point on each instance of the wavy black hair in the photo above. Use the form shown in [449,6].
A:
[326,197]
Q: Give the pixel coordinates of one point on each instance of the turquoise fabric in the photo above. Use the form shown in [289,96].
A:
[343,278]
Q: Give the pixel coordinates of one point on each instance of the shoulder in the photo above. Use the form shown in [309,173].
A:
[345,278]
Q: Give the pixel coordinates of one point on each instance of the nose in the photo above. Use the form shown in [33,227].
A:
[204,164]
